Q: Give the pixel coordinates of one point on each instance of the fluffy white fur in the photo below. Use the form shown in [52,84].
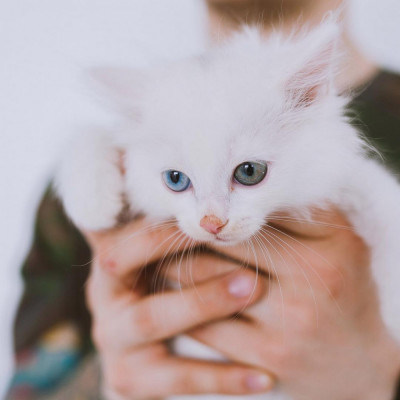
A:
[254,98]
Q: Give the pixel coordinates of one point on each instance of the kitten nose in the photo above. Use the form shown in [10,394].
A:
[212,224]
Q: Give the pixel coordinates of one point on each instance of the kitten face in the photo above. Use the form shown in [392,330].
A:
[251,102]
[207,143]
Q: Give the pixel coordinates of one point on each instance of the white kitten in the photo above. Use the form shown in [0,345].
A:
[222,141]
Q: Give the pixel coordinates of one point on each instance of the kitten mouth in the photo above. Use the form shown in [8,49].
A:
[226,241]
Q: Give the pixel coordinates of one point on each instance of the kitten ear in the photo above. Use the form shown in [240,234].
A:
[315,69]
[121,87]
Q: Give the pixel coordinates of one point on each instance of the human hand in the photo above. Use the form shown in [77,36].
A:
[130,325]
[319,330]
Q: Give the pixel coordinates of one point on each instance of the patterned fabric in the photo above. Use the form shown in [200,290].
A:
[377,111]
[48,362]
[54,272]
[57,266]
[52,309]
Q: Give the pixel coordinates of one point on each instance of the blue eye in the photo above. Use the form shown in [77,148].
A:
[176,180]
[250,173]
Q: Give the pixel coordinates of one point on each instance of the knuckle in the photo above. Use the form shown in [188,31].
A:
[203,302]
[278,355]
[107,263]
[202,305]
[230,382]
[282,359]
[145,326]
[115,379]
[186,382]
[334,281]
[190,382]
[264,354]
[305,320]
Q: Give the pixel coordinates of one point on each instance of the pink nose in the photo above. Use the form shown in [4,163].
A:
[212,224]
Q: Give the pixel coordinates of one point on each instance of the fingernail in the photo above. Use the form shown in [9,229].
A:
[241,286]
[258,383]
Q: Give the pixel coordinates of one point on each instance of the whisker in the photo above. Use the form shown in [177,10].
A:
[307,263]
[163,225]
[257,276]
[265,258]
[274,238]
[144,270]
[310,221]
[150,255]
[281,257]
[179,265]
[264,248]
[160,264]
[309,249]
[190,256]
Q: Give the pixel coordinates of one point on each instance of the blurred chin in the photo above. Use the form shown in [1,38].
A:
[233,240]
[222,239]
[200,237]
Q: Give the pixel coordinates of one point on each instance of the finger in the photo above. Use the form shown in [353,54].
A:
[105,293]
[167,314]
[292,260]
[176,376]
[200,267]
[134,245]
[204,267]
[242,342]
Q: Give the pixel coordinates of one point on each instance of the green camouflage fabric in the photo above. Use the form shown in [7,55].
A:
[54,273]
[57,265]
[377,112]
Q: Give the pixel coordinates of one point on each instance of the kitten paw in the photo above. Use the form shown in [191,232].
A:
[90,181]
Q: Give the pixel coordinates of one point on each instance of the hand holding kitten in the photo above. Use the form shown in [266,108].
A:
[318,330]
[333,342]
[130,326]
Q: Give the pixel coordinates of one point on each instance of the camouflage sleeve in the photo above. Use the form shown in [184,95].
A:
[377,111]
[54,275]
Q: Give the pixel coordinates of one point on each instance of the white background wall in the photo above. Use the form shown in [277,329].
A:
[44,47]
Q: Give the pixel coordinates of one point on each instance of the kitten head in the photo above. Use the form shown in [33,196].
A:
[222,141]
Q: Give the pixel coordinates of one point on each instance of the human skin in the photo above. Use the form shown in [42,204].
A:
[314,327]
[130,323]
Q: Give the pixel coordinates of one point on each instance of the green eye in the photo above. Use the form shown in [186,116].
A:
[250,173]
